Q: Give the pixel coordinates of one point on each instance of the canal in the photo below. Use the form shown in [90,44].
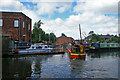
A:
[96,65]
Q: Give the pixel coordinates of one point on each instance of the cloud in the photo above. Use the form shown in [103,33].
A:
[51,7]
[90,14]
[16,6]
[11,4]
[97,6]
[94,15]
[35,1]
[101,24]
[46,8]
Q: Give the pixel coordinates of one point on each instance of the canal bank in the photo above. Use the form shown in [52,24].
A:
[43,53]
[96,65]
[103,50]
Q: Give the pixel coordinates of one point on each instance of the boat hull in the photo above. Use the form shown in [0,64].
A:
[78,56]
[33,51]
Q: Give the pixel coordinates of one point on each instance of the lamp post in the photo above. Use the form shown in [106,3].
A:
[39,37]
[49,37]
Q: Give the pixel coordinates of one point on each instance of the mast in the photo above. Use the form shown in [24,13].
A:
[80,32]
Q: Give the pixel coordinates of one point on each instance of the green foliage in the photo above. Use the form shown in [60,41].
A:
[91,32]
[33,41]
[47,37]
[39,35]
[95,38]
[112,39]
[115,39]
[119,40]
[52,37]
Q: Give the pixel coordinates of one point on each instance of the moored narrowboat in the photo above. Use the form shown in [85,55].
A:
[87,46]
[35,49]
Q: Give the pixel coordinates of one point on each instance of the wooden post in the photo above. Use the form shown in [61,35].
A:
[80,32]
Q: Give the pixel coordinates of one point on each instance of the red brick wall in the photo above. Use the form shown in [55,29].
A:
[8,25]
[60,41]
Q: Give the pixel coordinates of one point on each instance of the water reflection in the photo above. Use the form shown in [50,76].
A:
[14,68]
[56,67]
[22,67]
[96,65]
[76,67]
[104,54]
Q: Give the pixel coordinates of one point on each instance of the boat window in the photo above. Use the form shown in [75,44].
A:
[39,47]
[32,47]
[76,50]
[50,46]
[45,46]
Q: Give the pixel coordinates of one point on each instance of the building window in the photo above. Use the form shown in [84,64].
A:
[1,22]
[15,23]
[29,26]
[23,25]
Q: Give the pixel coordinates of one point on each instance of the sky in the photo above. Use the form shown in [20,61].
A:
[64,16]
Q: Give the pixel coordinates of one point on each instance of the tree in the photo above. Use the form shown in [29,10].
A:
[39,35]
[115,39]
[52,37]
[95,38]
[47,37]
[116,36]
[91,32]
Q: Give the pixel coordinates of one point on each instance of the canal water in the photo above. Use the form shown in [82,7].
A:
[95,65]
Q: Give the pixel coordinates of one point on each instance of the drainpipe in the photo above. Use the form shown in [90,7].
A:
[19,29]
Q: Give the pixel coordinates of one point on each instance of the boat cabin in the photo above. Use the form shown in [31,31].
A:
[77,49]
[40,47]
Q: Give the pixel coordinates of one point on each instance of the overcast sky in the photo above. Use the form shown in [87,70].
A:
[64,16]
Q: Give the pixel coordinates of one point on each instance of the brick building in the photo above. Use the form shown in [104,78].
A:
[16,26]
[63,39]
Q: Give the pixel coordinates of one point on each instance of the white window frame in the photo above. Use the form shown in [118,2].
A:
[15,23]
[1,22]
[23,24]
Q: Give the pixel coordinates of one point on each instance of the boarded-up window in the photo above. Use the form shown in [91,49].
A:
[29,26]
[1,22]
[23,25]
